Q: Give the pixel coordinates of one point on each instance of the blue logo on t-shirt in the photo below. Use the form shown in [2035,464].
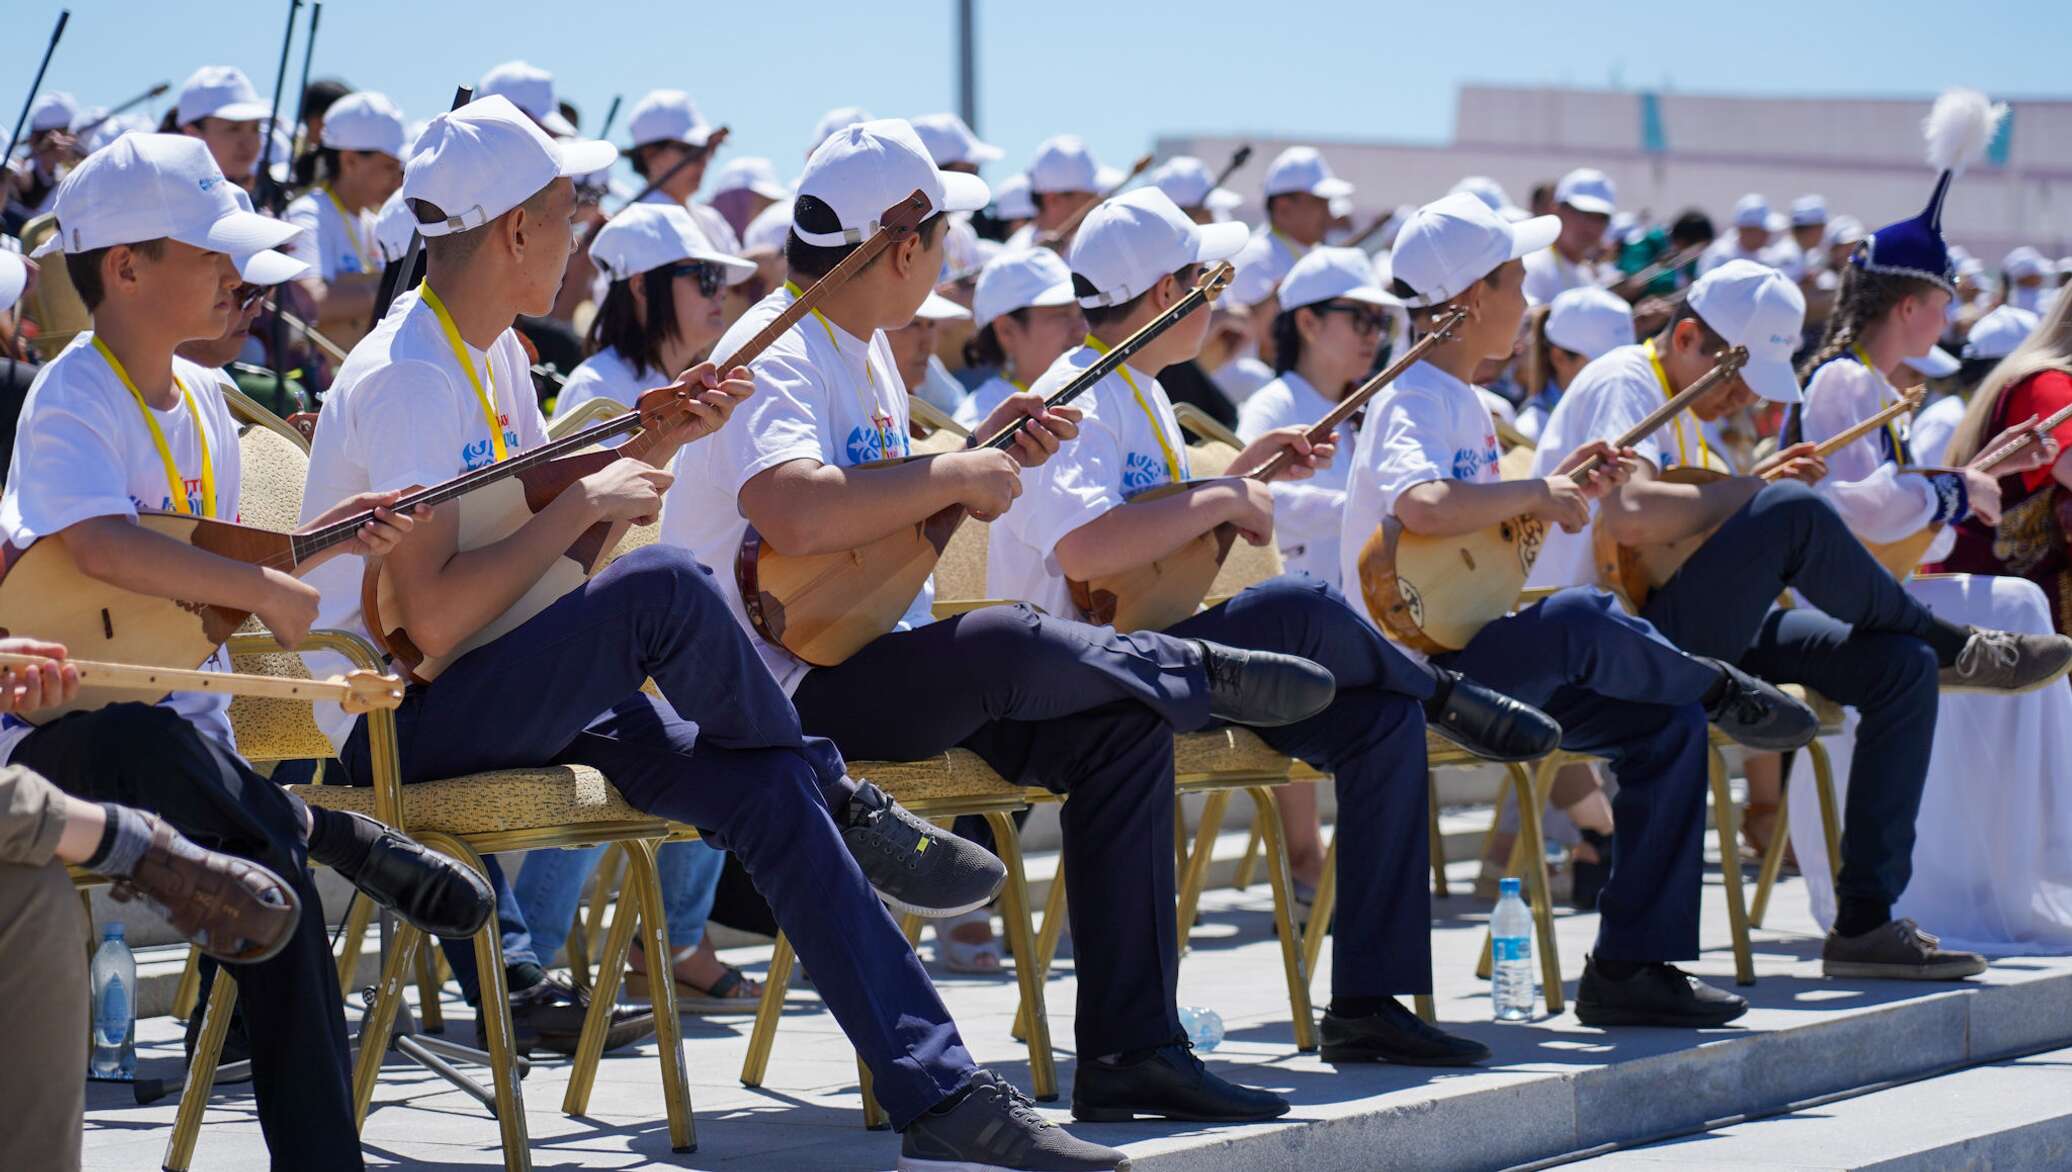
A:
[868,443]
[1468,463]
[1140,470]
[482,452]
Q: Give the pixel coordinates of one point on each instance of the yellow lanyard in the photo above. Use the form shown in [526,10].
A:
[176,485]
[879,415]
[352,235]
[1298,251]
[1891,426]
[1662,376]
[1165,446]
[460,355]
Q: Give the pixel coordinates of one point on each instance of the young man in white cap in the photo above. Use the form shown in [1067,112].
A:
[1025,316]
[531,89]
[1299,190]
[1428,456]
[1584,201]
[1754,237]
[667,129]
[52,149]
[2026,276]
[1135,256]
[1186,180]
[158,249]
[1063,178]
[219,106]
[1580,326]
[1044,700]
[359,165]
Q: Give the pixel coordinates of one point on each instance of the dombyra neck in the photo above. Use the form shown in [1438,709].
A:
[472,298]
[1153,358]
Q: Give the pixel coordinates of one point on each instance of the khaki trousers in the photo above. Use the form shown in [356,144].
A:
[43,982]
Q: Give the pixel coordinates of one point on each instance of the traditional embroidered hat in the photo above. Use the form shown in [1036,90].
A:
[1958,128]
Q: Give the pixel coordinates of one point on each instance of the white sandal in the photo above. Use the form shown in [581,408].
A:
[983,959]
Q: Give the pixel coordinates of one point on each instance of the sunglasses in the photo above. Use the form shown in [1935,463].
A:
[711,278]
[1365,319]
[244,295]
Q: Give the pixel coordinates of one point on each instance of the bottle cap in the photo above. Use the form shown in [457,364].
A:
[111,931]
[1508,886]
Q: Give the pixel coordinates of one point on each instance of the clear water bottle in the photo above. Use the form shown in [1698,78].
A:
[1513,989]
[114,1008]
[1204,1027]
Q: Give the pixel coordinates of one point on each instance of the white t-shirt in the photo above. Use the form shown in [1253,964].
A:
[1118,454]
[1548,275]
[604,375]
[984,400]
[400,413]
[333,245]
[1241,377]
[1932,428]
[81,450]
[1307,514]
[821,394]
[1879,502]
[1427,425]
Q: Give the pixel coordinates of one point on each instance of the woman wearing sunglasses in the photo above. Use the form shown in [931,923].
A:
[663,308]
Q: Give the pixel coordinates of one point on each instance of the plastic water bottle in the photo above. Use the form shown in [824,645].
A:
[114,1008]
[1204,1027]
[1513,990]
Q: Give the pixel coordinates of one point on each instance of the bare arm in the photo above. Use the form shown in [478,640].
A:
[1144,531]
[126,555]
[804,507]
[1449,508]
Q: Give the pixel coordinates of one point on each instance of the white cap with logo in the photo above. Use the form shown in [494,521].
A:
[646,236]
[1019,280]
[1063,163]
[365,121]
[1587,189]
[867,167]
[1127,243]
[529,88]
[753,173]
[1753,305]
[1325,274]
[667,116]
[54,110]
[219,91]
[480,161]
[949,141]
[1999,331]
[1302,169]
[1455,241]
[1590,321]
[1752,211]
[1188,181]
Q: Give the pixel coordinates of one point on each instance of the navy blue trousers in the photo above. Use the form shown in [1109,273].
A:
[1371,741]
[722,751]
[1079,710]
[1623,692]
[1864,647]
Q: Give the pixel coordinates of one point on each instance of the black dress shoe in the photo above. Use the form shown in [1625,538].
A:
[1755,713]
[1488,723]
[549,1016]
[1657,995]
[1167,1083]
[434,893]
[1396,1035]
[1263,688]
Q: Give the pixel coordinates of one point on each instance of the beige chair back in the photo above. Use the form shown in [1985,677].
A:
[252,413]
[591,411]
[52,303]
[960,575]
[275,468]
[1204,426]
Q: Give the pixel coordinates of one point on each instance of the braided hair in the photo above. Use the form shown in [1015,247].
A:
[1864,299]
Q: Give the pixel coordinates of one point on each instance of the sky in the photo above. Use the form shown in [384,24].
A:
[1119,74]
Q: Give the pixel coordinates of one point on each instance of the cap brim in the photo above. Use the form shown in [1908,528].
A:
[1937,363]
[983,152]
[737,268]
[237,112]
[940,308]
[1222,199]
[1332,188]
[1372,295]
[242,234]
[1214,242]
[267,267]
[555,124]
[963,193]
[769,190]
[1591,205]
[1058,294]
[584,156]
[1772,379]
[1529,236]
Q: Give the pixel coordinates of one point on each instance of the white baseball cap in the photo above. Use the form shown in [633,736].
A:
[2025,261]
[1324,274]
[1455,241]
[219,91]
[950,141]
[393,227]
[53,111]
[1018,280]
[1011,200]
[529,88]
[646,236]
[1484,188]
[1753,305]
[667,116]
[1996,334]
[940,308]
[1808,210]
[158,186]
[833,120]
[1937,363]
[1064,164]
[1260,269]
[1587,189]
[1751,211]
[1301,168]
[1187,180]
[14,277]
[1126,244]
[867,167]
[365,121]
[753,173]
[1843,229]
[1589,320]
[482,160]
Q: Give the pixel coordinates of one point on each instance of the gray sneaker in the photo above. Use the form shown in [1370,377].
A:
[1897,950]
[914,866]
[2005,661]
[995,1126]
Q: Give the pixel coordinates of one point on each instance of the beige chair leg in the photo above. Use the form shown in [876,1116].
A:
[1248,866]
[642,874]
[381,1018]
[1438,840]
[430,1013]
[587,935]
[1284,920]
[496,1018]
[1322,904]
[1830,810]
[611,968]
[1014,910]
[1529,855]
[188,991]
[201,1073]
[760,1037]
[1194,868]
[1425,1008]
[1773,863]
[1726,820]
[1514,868]
[1046,946]
[353,938]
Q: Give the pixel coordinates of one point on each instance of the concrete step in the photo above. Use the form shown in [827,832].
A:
[2005,1115]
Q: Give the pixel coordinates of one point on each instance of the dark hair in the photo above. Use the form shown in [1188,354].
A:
[618,324]
[84,268]
[456,247]
[569,111]
[1864,298]
[1691,227]
[1420,314]
[1708,338]
[1101,315]
[817,260]
[1542,192]
[983,348]
[1973,371]
[1287,341]
[640,155]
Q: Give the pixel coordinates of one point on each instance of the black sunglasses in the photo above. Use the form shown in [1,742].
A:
[710,277]
[244,295]
[1365,319]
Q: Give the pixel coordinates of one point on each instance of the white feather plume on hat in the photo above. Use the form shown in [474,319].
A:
[1959,127]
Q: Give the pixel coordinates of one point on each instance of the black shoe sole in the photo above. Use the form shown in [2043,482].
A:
[1483,752]
[1614,1016]
[1126,1114]
[1354,1052]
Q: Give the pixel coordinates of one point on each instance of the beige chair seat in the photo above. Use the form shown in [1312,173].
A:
[958,775]
[1233,751]
[493,803]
